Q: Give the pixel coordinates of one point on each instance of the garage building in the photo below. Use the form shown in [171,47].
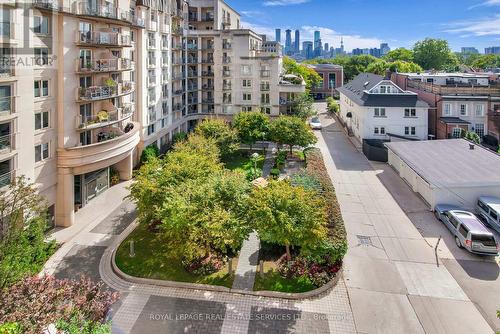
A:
[451,171]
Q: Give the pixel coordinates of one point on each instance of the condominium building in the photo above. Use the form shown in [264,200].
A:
[86,85]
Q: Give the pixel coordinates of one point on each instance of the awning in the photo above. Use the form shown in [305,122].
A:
[453,120]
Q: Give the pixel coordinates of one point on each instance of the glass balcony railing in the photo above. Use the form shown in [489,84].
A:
[7,143]
[105,118]
[7,105]
[109,91]
[102,38]
[104,65]
[6,178]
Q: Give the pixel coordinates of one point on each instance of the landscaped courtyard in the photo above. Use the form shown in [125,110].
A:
[197,206]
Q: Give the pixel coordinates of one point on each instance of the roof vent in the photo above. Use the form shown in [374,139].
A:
[471,146]
[366,84]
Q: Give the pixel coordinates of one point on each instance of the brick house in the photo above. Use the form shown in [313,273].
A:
[333,77]
[458,102]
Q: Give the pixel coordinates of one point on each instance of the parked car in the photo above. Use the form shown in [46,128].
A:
[488,210]
[467,229]
[315,123]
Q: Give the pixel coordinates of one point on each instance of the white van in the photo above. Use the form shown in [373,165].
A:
[488,210]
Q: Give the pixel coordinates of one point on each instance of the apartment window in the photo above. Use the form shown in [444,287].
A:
[379,112]
[410,131]
[41,25]
[246,69]
[264,98]
[376,131]
[226,97]
[151,40]
[41,56]
[41,120]
[41,152]
[410,112]
[479,129]
[246,108]
[151,58]
[463,110]
[479,110]
[332,79]
[41,88]
[247,97]
[132,35]
[382,130]
[151,129]
[247,83]
[5,22]
[383,89]
[266,110]
[447,109]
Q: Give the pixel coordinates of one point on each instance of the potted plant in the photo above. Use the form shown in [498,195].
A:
[110,82]
[102,116]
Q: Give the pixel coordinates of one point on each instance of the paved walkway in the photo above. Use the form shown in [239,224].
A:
[391,274]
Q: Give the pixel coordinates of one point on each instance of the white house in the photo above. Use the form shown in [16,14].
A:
[376,108]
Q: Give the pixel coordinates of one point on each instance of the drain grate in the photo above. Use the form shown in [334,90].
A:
[364,240]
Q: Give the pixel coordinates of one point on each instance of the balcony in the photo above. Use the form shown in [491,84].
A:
[104,65]
[192,74]
[6,70]
[7,106]
[226,21]
[177,107]
[101,38]
[105,118]
[265,88]
[226,86]
[109,91]
[193,101]
[192,88]
[207,87]
[207,110]
[192,61]
[46,4]
[193,17]
[178,92]
[226,73]
[226,60]
[207,101]
[226,46]
[7,143]
[455,89]
[208,17]
[192,47]
[111,146]
[207,47]
[178,76]
[207,74]
[100,9]
[176,31]
[7,178]
[207,61]
[151,80]
[176,46]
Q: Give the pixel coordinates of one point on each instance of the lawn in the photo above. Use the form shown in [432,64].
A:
[240,160]
[154,260]
[272,280]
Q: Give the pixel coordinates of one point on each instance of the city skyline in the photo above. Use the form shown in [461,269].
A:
[473,23]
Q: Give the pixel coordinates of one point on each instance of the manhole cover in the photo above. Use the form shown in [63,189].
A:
[364,240]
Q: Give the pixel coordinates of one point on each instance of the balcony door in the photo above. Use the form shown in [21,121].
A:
[4,22]
[85,58]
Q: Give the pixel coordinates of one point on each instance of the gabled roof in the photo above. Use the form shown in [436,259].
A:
[356,90]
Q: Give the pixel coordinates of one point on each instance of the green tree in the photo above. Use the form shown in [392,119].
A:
[225,136]
[291,131]
[310,76]
[332,105]
[303,106]
[287,215]
[405,67]
[357,65]
[399,54]
[195,158]
[379,67]
[206,215]
[434,54]
[251,127]
[485,61]
[23,220]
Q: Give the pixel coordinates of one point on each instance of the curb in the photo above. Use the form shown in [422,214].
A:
[207,287]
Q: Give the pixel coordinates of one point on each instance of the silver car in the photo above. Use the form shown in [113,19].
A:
[315,123]
[467,229]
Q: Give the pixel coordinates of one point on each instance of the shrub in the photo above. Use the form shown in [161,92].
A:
[35,302]
[332,105]
[78,325]
[472,136]
[337,246]
[280,159]
[300,267]
[275,172]
[254,173]
[150,152]
[10,328]
[308,182]
[204,266]
[179,136]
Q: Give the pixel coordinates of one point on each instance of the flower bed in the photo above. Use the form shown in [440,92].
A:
[307,270]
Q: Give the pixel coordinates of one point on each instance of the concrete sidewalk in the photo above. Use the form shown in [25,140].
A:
[395,282]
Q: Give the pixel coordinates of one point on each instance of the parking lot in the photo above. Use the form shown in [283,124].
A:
[478,276]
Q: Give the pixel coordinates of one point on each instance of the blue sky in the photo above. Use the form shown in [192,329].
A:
[366,23]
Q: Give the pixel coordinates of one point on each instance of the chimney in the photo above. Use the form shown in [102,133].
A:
[471,146]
